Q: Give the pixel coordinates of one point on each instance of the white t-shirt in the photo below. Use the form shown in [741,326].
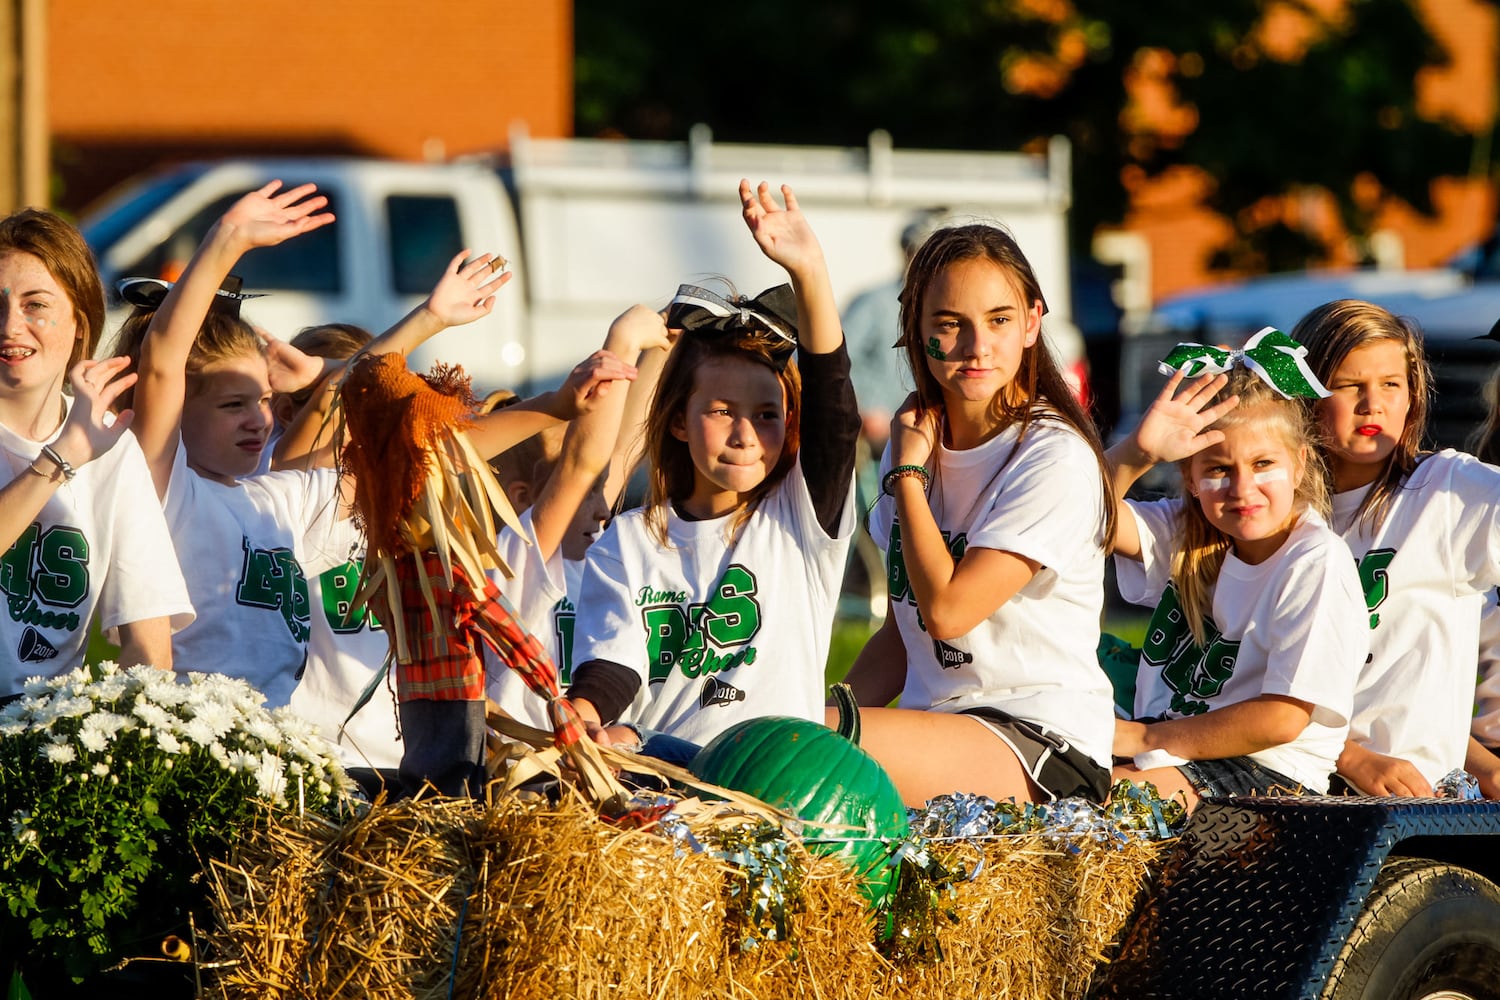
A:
[718,632]
[98,547]
[534,589]
[344,652]
[1035,656]
[1486,726]
[1424,575]
[244,550]
[1293,625]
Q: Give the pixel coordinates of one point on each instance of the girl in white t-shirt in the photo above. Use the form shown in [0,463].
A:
[994,520]
[1247,672]
[80,532]
[1425,531]
[714,603]
[564,485]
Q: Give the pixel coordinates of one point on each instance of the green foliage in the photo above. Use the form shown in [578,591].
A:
[115,786]
[1003,74]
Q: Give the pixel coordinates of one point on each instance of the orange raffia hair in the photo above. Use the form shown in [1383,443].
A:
[396,421]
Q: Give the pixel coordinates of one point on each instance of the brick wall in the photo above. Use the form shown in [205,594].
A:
[132,84]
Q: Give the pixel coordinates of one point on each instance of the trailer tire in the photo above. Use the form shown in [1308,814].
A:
[1429,931]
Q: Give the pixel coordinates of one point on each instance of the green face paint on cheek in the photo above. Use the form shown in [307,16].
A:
[935,350]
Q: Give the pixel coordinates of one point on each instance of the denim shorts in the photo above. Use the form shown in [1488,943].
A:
[1237,776]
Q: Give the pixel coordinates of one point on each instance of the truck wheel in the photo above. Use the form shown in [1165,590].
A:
[1429,931]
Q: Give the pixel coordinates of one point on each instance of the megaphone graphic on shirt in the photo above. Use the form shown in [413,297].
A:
[33,647]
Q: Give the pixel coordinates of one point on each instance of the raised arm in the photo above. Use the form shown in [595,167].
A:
[591,439]
[261,218]
[784,235]
[1171,429]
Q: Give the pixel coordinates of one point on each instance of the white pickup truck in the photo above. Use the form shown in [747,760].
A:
[590,226]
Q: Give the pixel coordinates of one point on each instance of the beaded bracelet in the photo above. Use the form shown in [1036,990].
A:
[63,465]
[901,472]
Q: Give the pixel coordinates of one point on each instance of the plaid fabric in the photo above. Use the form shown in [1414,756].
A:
[446,664]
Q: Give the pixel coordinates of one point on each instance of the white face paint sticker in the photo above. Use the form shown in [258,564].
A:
[1215,485]
[1277,475]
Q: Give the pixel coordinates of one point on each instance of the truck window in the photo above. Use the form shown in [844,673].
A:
[308,263]
[122,214]
[424,235]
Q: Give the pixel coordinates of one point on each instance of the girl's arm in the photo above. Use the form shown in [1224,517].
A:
[1259,723]
[1377,774]
[1171,429]
[631,445]
[591,438]
[830,413]
[84,436]
[261,218]
[464,293]
[1483,764]
[148,641]
[879,671]
[498,430]
[953,596]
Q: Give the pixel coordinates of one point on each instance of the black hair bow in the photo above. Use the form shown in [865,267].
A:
[698,311]
[148,293]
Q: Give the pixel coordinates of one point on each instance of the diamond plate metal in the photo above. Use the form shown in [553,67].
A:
[1260,894]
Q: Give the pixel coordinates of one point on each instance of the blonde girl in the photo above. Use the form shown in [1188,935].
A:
[1247,673]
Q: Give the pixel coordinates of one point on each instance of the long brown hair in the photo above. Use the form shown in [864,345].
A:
[1199,553]
[1044,393]
[1329,333]
[673,473]
[1484,440]
[62,250]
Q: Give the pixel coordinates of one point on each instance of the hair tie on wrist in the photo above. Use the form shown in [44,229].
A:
[901,472]
[63,466]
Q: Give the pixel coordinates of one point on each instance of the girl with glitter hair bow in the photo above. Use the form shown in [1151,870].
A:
[1246,679]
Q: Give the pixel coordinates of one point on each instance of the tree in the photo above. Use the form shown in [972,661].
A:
[1138,88]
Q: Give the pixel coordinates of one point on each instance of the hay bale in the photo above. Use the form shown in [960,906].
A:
[524,900]
[1036,921]
[571,906]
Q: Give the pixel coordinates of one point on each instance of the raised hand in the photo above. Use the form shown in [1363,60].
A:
[289,369]
[639,328]
[590,381]
[269,216]
[91,429]
[466,291]
[1173,427]
[783,234]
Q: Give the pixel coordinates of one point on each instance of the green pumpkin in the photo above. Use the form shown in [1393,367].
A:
[820,776]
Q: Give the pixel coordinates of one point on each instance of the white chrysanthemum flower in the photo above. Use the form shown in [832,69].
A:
[111,687]
[152,714]
[34,686]
[217,752]
[242,761]
[220,718]
[100,769]
[168,742]
[93,739]
[72,706]
[269,779]
[263,729]
[12,728]
[27,836]
[200,732]
[60,753]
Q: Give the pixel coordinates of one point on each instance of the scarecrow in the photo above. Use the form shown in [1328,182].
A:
[428,505]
